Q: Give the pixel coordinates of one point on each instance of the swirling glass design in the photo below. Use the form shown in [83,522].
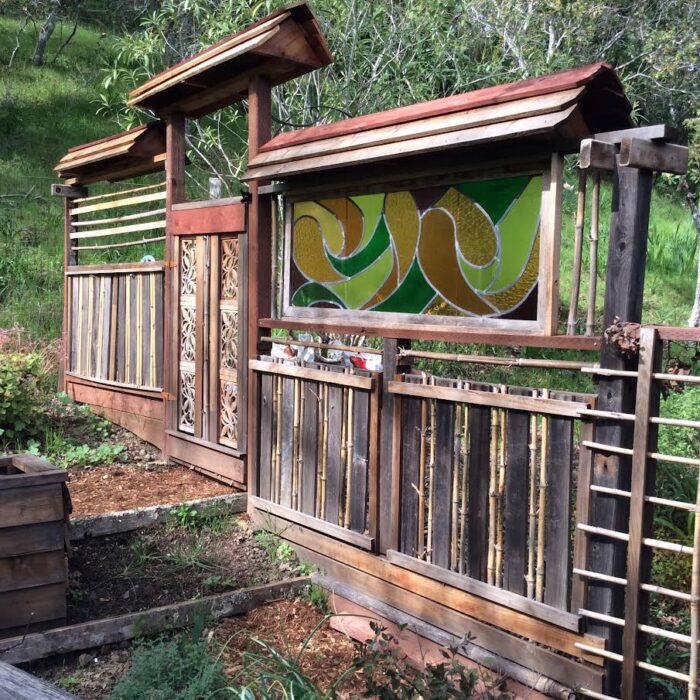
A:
[470,249]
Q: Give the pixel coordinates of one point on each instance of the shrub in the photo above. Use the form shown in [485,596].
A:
[179,667]
[20,396]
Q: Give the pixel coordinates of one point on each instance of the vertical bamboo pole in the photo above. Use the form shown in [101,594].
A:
[593,255]
[501,491]
[539,574]
[695,604]
[493,504]
[152,349]
[319,448]
[79,323]
[139,330]
[431,477]
[348,467]
[343,453]
[278,439]
[465,474]
[578,247]
[455,488]
[421,473]
[100,326]
[532,514]
[296,451]
[324,450]
[91,306]
[127,329]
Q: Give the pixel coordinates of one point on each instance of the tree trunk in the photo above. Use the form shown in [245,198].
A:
[43,40]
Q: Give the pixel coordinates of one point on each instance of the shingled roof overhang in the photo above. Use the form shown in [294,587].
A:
[552,112]
[128,154]
[284,45]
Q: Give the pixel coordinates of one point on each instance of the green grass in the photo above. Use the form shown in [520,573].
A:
[43,111]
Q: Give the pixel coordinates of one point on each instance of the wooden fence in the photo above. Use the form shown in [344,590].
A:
[318,447]
[116,323]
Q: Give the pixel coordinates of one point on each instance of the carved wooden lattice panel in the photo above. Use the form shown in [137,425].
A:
[228,343]
[188,329]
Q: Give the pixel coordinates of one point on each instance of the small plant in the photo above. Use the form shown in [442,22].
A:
[190,556]
[180,667]
[218,582]
[316,595]
[284,552]
[269,541]
[186,516]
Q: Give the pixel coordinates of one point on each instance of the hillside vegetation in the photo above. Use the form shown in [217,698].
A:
[45,110]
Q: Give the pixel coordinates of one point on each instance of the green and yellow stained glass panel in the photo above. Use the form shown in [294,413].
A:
[470,249]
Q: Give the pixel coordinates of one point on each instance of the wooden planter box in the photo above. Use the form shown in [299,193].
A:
[34,509]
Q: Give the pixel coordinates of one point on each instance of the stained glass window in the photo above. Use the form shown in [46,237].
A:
[470,249]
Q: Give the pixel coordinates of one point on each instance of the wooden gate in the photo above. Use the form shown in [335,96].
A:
[207,378]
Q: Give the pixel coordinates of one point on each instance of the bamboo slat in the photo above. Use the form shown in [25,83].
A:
[118,203]
[593,255]
[578,249]
[126,244]
[118,230]
[95,197]
[117,219]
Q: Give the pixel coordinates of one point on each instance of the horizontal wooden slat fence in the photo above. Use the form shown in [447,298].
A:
[317,456]
[485,476]
[116,323]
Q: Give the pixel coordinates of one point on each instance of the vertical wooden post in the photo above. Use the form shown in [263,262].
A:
[174,194]
[70,257]
[388,530]
[641,513]
[259,257]
[624,292]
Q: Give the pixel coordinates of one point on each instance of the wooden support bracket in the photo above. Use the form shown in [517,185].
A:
[69,191]
[662,157]
[656,132]
[598,154]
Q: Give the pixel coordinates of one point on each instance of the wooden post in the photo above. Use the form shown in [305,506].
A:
[259,275]
[174,194]
[70,257]
[623,298]
[641,514]
[387,530]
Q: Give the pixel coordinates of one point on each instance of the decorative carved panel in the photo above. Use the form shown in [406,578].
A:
[187,402]
[228,434]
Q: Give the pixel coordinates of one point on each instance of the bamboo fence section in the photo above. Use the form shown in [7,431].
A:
[578,249]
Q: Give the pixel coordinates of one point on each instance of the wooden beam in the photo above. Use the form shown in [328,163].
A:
[16,684]
[314,375]
[86,635]
[69,191]
[624,291]
[641,523]
[661,157]
[175,193]
[445,333]
[597,154]
[654,132]
[561,618]
[322,526]
[259,275]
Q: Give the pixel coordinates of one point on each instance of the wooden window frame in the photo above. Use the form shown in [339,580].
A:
[548,278]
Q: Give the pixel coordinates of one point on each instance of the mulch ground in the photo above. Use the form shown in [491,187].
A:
[285,625]
[145,569]
[142,479]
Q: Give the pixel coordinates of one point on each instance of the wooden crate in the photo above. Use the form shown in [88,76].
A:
[34,509]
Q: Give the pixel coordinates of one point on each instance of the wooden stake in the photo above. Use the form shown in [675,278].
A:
[421,474]
[348,468]
[578,246]
[465,493]
[501,492]
[539,574]
[532,515]
[695,605]
[493,496]
[455,490]
[324,449]
[296,447]
[278,440]
[593,254]
[431,477]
